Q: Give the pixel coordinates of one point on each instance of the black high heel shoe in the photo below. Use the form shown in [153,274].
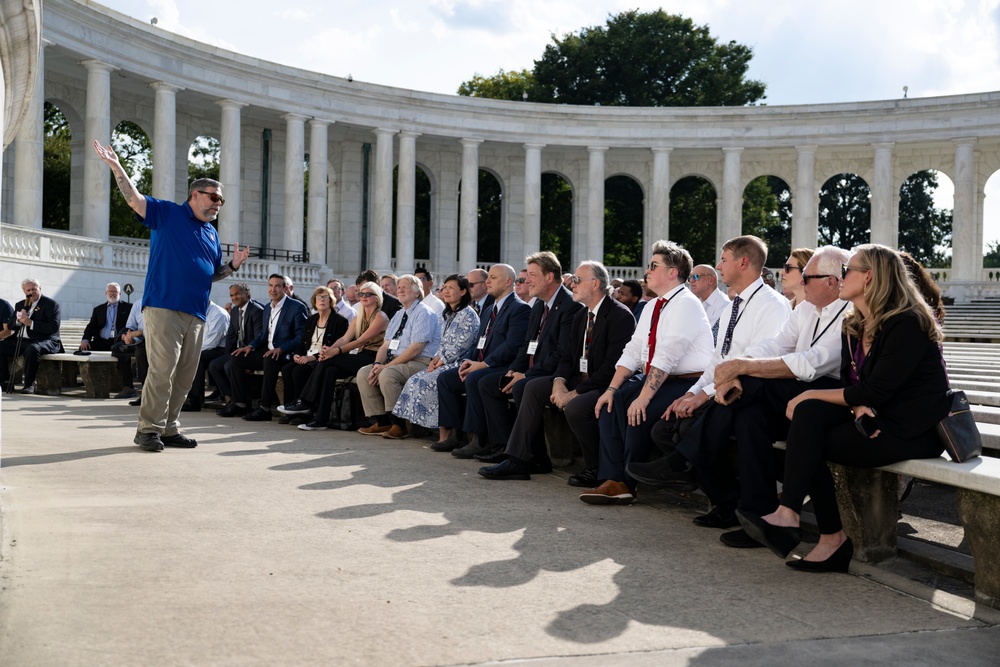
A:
[839,560]
[779,539]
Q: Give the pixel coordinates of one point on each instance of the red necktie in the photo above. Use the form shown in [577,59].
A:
[657,307]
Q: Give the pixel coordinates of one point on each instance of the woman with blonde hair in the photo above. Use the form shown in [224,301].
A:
[791,275]
[895,392]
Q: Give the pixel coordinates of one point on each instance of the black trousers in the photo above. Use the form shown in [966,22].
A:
[757,419]
[527,436]
[197,394]
[124,363]
[822,432]
[321,386]
[32,352]
[497,409]
[295,377]
[239,379]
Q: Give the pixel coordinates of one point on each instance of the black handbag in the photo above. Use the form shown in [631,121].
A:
[958,431]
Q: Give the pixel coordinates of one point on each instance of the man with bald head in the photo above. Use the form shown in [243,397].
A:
[704,282]
[501,332]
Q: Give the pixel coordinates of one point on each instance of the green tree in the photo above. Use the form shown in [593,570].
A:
[924,230]
[648,59]
[135,152]
[557,215]
[692,218]
[845,211]
[56,170]
[501,86]
[767,213]
[421,217]
[203,158]
[991,260]
[622,214]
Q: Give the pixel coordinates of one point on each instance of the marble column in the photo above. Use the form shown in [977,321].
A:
[406,202]
[883,229]
[380,237]
[805,206]
[595,203]
[29,156]
[468,214]
[731,210]
[295,149]
[318,166]
[165,141]
[966,242]
[659,214]
[532,230]
[230,161]
[96,174]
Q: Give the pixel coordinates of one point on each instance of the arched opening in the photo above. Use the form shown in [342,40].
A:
[991,222]
[623,215]
[693,212]
[767,213]
[57,169]
[490,215]
[845,211]
[926,204]
[421,217]
[557,217]
[135,152]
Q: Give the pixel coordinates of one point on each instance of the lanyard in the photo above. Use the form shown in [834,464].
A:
[745,306]
[828,324]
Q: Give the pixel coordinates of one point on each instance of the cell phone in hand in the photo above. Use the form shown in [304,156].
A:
[731,394]
[866,425]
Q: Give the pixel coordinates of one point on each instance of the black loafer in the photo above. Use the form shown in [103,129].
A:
[258,415]
[231,410]
[586,478]
[496,455]
[779,539]
[659,475]
[178,440]
[149,442]
[190,407]
[719,517]
[738,539]
[509,469]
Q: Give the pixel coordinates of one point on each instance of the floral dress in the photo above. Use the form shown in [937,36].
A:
[419,401]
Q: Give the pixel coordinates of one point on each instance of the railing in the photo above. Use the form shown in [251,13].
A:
[276,254]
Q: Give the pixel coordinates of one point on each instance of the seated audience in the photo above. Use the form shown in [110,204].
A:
[213,346]
[6,315]
[245,324]
[418,403]
[389,284]
[35,327]
[481,299]
[390,304]
[630,294]
[415,336]
[340,304]
[134,344]
[894,382]
[430,299]
[704,282]
[102,330]
[791,273]
[521,288]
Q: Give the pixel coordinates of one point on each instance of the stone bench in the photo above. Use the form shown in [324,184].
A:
[99,371]
[869,509]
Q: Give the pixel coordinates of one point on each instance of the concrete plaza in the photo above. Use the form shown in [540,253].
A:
[273,546]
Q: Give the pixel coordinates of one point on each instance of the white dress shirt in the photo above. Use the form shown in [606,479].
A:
[272,321]
[345,309]
[683,336]
[762,312]
[715,306]
[216,327]
[809,341]
[434,303]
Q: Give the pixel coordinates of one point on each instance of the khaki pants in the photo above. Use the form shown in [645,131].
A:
[173,346]
[381,398]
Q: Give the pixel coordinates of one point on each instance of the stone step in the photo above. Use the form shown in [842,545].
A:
[979,397]
[973,385]
[986,414]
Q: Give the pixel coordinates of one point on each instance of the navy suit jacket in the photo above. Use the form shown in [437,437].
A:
[251,328]
[99,318]
[507,333]
[288,330]
[613,329]
[547,354]
[45,322]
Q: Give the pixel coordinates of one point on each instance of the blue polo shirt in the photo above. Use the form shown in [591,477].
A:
[184,253]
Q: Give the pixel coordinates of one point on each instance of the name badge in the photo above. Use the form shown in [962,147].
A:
[482,343]
[356,350]
[583,365]
[532,347]
[394,344]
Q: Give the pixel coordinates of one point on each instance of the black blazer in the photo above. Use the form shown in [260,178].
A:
[252,326]
[547,354]
[507,333]
[336,326]
[45,322]
[487,304]
[99,317]
[903,378]
[613,329]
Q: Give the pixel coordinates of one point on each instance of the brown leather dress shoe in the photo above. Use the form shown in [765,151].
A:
[374,429]
[609,493]
[397,432]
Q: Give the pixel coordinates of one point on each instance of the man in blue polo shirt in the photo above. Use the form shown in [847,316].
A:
[185,258]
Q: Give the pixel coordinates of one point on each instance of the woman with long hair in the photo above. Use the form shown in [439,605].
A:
[418,403]
[895,392]
[791,275]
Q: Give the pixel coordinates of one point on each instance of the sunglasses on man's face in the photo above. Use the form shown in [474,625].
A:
[215,197]
[521,281]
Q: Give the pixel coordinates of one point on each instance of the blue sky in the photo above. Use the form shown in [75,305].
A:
[806,51]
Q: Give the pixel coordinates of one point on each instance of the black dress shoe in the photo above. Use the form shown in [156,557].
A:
[586,478]
[258,415]
[214,396]
[449,445]
[495,455]
[190,407]
[178,440]
[659,475]
[540,466]
[509,469]
[719,517]
[471,449]
[149,442]
[779,539]
[839,561]
[231,410]
[285,419]
[137,402]
[738,539]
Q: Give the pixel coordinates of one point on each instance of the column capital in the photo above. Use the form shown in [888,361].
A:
[536,147]
[597,149]
[384,132]
[470,143]
[964,141]
[736,150]
[408,134]
[661,149]
[294,118]
[321,122]
[231,104]
[163,86]
[808,148]
[883,144]
[94,65]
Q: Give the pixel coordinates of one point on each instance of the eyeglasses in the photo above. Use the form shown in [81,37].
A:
[576,280]
[652,266]
[844,268]
[366,295]
[479,283]
[520,281]
[424,279]
[807,277]
[695,277]
[215,197]
[788,268]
